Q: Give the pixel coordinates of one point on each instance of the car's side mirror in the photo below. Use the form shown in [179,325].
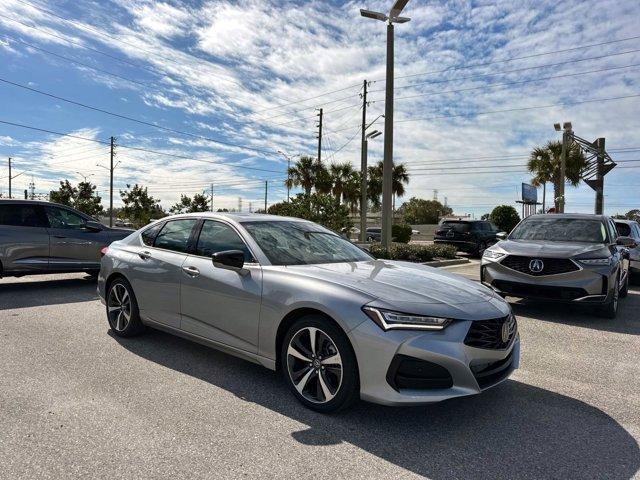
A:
[626,242]
[93,226]
[501,235]
[228,258]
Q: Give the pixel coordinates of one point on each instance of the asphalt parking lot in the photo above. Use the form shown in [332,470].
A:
[77,402]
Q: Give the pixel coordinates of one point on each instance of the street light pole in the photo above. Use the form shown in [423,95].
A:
[288,158]
[387,168]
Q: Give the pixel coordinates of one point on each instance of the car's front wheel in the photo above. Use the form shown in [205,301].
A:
[122,309]
[610,309]
[319,366]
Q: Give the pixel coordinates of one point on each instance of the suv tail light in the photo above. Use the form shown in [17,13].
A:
[103,251]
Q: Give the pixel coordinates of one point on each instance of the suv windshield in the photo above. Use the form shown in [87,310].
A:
[302,243]
[561,230]
[460,227]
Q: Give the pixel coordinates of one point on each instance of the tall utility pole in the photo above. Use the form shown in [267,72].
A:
[288,158]
[387,169]
[9,177]
[320,136]
[266,183]
[599,206]
[111,167]
[211,196]
[363,168]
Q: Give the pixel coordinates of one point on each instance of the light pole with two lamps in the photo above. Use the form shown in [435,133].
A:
[387,169]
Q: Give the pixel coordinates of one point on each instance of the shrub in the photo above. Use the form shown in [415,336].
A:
[413,253]
[401,233]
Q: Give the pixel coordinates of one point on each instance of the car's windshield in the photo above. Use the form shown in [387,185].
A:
[302,243]
[561,230]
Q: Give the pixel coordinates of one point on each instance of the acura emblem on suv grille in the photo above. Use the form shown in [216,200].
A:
[536,265]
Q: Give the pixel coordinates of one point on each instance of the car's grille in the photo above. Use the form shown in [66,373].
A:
[490,334]
[412,373]
[538,266]
[488,374]
[528,290]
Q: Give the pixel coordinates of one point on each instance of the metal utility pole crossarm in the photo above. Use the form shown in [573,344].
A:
[320,136]
[387,169]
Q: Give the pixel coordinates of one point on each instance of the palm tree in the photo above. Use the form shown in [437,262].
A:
[302,174]
[323,181]
[340,175]
[399,178]
[544,164]
[351,192]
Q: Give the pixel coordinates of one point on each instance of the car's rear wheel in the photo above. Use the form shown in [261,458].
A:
[319,366]
[610,309]
[122,309]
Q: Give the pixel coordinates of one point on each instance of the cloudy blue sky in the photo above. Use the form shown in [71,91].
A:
[231,83]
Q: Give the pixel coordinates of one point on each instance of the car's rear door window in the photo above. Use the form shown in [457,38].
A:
[218,237]
[149,235]
[624,229]
[22,215]
[175,235]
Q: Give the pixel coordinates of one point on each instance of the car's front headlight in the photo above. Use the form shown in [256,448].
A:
[492,254]
[388,320]
[596,261]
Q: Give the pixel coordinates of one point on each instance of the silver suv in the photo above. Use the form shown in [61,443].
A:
[43,237]
[568,257]
[631,228]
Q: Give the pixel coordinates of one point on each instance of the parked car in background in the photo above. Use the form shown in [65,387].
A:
[291,295]
[374,234]
[576,258]
[630,228]
[470,236]
[41,237]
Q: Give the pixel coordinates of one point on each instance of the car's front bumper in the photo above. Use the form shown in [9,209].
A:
[586,285]
[376,351]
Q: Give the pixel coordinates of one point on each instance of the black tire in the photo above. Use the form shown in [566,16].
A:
[346,391]
[634,278]
[122,309]
[624,291]
[610,309]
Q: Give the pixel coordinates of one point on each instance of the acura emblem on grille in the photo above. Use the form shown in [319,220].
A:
[536,265]
[504,333]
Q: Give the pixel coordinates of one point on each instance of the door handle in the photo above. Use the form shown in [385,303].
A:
[144,255]
[191,271]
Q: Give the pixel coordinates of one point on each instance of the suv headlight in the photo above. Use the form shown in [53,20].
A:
[493,255]
[388,320]
[596,261]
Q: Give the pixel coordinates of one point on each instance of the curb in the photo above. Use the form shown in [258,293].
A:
[447,263]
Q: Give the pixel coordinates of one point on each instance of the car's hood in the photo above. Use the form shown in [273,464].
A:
[543,248]
[411,287]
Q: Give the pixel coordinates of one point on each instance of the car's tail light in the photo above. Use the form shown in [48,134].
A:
[103,251]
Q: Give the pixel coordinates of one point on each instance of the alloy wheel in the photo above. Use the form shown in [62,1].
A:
[314,365]
[119,307]
[616,294]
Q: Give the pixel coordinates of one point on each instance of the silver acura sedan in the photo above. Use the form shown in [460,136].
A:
[291,295]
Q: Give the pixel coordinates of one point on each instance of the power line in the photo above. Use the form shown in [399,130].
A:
[131,119]
[475,65]
[136,148]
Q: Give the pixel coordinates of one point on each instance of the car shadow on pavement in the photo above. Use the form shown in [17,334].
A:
[36,293]
[627,320]
[513,430]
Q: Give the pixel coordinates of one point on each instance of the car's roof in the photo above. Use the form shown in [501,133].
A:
[624,220]
[586,216]
[240,217]
[468,220]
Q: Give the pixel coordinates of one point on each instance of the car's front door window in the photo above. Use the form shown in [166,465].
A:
[217,237]
[63,218]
